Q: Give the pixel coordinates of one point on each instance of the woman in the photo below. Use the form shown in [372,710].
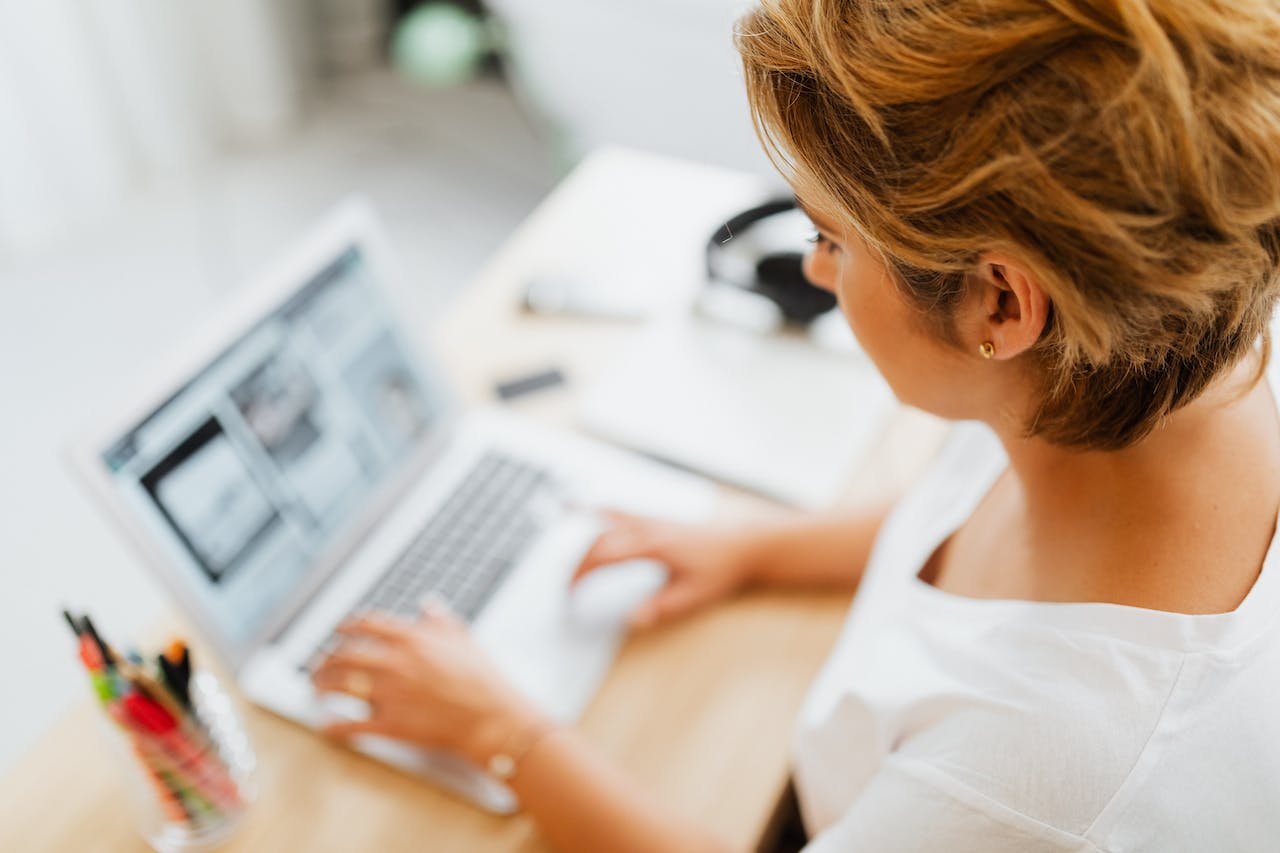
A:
[1062,220]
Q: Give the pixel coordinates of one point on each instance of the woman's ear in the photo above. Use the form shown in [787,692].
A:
[1015,307]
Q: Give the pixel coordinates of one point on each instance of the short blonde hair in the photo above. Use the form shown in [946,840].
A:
[1129,150]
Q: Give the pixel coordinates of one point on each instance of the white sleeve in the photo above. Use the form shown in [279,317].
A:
[910,806]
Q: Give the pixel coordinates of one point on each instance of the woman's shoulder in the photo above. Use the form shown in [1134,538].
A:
[1054,726]
[1036,721]
[1105,739]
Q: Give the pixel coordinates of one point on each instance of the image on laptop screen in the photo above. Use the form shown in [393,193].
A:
[270,452]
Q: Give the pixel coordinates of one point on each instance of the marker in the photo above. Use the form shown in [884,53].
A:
[165,793]
[175,651]
[141,682]
[107,657]
[177,753]
[169,677]
[89,654]
[175,664]
[102,686]
[149,714]
[185,756]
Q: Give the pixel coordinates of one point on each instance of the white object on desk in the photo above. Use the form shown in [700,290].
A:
[641,251]
[774,414]
[602,600]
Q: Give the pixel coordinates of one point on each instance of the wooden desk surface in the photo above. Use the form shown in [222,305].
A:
[700,713]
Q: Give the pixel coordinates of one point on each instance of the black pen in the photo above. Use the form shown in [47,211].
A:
[71,620]
[175,663]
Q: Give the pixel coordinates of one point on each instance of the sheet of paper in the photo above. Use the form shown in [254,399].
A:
[774,414]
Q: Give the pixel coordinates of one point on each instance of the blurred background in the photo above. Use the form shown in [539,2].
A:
[153,153]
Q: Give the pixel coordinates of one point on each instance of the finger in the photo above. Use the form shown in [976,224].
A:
[620,517]
[340,681]
[334,672]
[333,680]
[352,728]
[436,610]
[668,604]
[388,629]
[626,542]
[362,658]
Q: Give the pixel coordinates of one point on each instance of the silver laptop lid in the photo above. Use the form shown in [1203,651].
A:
[275,450]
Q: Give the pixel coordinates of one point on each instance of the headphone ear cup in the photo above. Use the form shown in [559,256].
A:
[780,276]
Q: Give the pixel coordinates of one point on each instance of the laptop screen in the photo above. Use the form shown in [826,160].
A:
[259,461]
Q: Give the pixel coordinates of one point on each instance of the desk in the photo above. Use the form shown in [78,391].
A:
[699,713]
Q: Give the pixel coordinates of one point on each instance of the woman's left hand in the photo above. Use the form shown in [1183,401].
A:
[426,682]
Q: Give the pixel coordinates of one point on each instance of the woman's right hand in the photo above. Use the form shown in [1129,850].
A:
[704,564]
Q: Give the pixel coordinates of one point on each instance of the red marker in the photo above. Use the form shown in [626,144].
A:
[201,763]
[89,654]
[170,804]
[149,714]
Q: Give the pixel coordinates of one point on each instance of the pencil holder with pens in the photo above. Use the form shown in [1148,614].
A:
[187,760]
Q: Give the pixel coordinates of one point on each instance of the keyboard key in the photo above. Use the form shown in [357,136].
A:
[467,548]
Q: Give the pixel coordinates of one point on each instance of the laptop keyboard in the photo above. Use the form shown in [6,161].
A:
[465,550]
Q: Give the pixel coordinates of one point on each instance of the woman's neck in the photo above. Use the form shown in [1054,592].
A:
[1140,523]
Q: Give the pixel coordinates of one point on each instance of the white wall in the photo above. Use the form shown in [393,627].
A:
[100,97]
[661,75]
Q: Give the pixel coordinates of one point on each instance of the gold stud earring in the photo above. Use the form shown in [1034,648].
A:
[987,349]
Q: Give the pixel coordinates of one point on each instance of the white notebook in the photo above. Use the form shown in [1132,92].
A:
[771,413]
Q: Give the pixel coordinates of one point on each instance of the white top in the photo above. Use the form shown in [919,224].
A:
[948,723]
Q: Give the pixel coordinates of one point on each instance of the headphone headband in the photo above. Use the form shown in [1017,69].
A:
[744,220]
[776,276]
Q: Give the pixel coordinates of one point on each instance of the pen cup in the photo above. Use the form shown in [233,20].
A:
[190,786]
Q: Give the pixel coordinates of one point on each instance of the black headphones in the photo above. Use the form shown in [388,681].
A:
[778,276]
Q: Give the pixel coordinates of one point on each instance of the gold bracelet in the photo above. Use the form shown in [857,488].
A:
[504,763]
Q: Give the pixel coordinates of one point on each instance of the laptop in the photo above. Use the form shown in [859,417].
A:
[304,459]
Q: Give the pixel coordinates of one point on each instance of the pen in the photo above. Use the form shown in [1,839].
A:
[71,620]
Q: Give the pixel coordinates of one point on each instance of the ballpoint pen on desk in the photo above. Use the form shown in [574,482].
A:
[191,757]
